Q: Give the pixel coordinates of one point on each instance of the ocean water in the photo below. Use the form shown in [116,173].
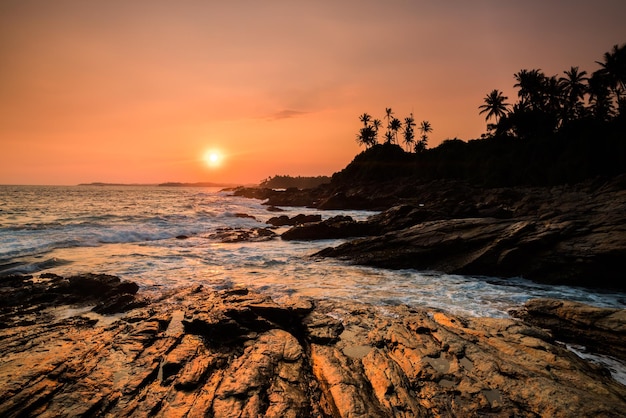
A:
[131,232]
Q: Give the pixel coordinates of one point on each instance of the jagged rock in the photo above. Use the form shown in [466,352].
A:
[601,330]
[196,352]
[560,249]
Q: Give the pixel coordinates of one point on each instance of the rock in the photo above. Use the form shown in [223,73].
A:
[232,235]
[195,352]
[274,209]
[299,219]
[569,247]
[21,296]
[600,330]
[332,228]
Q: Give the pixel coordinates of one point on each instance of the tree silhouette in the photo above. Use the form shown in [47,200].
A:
[600,97]
[531,87]
[574,87]
[613,70]
[395,125]
[421,145]
[494,106]
[408,132]
[365,118]
[368,134]
[388,134]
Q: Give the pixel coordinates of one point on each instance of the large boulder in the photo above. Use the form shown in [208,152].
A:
[600,330]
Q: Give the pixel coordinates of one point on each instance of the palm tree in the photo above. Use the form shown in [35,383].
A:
[425,128]
[388,116]
[366,136]
[574,88]
[614,71]
[531,87]
[365,118]
[494,105]
[377,124]
[395,126]
[409,135]
[600,97]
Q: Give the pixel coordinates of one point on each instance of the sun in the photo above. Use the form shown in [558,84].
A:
[213,158]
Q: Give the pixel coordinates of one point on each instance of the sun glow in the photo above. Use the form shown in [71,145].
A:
[213,158]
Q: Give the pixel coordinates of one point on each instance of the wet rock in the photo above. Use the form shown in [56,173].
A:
[233,235]
[600,330]
[566,248]
[196,352]
[23,296]
[299,219]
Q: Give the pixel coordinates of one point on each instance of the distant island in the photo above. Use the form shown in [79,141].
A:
[167,184]
[198,184]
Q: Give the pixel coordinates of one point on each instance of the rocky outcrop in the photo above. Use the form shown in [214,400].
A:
[194,352]
[574,236]
[600,330]
[23,298]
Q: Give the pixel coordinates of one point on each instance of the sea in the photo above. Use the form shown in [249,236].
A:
[135,232]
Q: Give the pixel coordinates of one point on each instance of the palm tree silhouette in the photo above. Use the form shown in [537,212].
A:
[614,71]
[425,128]
[531,87]
[408,132]
[600,97]
[494,106]
[395,126]
[388,134]
[574,88]
[365,118]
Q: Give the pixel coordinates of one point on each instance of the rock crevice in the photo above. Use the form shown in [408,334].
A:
[238,353]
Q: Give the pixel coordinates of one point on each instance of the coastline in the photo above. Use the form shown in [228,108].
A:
[568,234]
[233,352]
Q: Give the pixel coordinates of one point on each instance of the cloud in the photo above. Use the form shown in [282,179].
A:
[286,114]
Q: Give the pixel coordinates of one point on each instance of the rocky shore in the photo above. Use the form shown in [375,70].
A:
[93,345]
[569,234]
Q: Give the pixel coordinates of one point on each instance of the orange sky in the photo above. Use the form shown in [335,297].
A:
[137,91]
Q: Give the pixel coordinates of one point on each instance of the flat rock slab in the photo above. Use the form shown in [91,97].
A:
[235,353]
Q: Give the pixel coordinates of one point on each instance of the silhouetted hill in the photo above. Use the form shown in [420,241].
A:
[381,162]
[584,150]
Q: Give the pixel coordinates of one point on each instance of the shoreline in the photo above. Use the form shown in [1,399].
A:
[569,234]
[234,351]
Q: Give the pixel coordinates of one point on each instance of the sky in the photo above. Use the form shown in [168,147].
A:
[140,91]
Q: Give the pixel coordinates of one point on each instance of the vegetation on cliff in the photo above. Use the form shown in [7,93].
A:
[561,130]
